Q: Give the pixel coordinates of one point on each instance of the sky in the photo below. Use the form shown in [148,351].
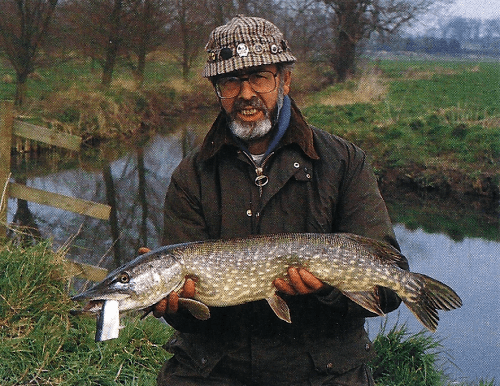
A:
[471,9]
[477,9]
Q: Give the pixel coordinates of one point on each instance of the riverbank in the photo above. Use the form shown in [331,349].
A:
[432,127]
[428,127]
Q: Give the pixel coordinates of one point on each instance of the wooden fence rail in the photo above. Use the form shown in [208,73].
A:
[10,127]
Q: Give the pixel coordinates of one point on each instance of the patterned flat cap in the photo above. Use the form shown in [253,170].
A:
[245,42]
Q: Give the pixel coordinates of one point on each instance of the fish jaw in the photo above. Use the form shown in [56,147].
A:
[139,284]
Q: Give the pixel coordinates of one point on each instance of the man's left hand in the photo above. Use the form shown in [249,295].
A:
[301,282]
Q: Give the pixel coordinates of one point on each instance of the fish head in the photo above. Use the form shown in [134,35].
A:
[138,284]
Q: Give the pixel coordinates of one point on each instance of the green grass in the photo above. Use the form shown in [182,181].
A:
[429,117]
[404,359]
[41,344]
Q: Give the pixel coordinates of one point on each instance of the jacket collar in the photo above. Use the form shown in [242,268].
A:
[298,132]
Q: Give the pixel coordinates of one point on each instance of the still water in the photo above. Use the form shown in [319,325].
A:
[470,336]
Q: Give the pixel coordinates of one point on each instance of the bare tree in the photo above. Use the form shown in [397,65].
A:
[146,32]
[110,30]
[189,31]
[114,41]
[355,20]
[93,28]
[23,25]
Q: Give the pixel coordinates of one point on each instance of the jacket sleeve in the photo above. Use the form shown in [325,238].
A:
[183,222]
[362,210]
[183,218]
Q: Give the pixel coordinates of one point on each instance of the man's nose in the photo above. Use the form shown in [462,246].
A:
[246,90]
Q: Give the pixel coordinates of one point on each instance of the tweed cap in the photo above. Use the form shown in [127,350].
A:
[245,42]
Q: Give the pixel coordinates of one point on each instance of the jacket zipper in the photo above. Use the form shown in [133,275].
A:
[261,180]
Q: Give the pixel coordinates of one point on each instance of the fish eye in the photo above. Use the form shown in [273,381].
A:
[124,277]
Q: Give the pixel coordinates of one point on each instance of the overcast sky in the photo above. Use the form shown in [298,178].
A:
[481,9]
[472,9]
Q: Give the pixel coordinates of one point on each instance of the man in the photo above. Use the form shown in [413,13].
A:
[262,169]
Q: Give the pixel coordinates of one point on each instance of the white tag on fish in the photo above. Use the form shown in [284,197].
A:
[108,321]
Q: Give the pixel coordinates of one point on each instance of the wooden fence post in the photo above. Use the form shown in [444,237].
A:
[6,123]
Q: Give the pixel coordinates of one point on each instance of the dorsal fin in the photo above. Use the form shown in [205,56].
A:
[384,251]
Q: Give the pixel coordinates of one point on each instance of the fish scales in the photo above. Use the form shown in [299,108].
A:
[236,271]
[244,264]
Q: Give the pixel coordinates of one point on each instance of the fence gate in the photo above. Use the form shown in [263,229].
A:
[10,127]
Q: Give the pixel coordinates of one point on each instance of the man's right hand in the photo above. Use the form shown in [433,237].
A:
[170,304]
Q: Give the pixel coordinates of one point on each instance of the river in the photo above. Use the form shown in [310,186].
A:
[470,336]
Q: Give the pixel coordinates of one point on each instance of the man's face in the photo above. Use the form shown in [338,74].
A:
[251,113]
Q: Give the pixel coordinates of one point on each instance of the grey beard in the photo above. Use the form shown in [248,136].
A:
[247,131]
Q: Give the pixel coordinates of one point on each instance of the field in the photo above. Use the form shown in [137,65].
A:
[437,123]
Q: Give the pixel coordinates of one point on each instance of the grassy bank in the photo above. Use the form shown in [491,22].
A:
[435,126]
[41,344]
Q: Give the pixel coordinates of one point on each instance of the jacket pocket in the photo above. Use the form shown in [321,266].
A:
[196,355]
[338,356]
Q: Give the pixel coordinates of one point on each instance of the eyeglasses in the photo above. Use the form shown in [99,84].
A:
[261,82]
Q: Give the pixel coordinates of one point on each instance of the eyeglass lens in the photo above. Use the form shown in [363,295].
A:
[261,82]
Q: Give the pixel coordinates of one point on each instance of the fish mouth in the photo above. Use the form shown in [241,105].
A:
[92,307]
[94,303]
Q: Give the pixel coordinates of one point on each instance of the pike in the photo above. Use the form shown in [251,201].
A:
[237,271]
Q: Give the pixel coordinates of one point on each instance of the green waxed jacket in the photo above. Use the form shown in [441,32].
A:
[316,182]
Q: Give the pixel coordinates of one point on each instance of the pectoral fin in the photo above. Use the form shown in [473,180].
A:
[280,308]
[367,299]
[197,309]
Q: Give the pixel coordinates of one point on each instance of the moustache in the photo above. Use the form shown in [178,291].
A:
[254,102]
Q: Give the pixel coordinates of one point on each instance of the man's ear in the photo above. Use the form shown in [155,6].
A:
[287,77]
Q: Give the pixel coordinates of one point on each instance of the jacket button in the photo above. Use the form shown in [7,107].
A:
[296,165]
[368,347]
[329,366]
[204,361]
[249,212]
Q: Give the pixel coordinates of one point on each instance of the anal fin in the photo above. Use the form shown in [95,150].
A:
[369,300]
[280,308]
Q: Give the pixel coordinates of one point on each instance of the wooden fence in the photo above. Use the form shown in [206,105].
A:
[10,127]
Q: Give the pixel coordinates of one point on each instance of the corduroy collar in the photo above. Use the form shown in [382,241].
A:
[298,132]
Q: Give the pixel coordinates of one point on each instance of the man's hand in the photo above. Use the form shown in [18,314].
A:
[301,282]
[170,303]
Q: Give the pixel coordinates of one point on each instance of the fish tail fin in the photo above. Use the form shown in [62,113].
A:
[431,296]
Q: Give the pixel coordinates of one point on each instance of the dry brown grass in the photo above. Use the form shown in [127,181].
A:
[370,87]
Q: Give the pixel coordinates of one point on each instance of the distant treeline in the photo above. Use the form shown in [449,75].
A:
[433,45]
[456,36]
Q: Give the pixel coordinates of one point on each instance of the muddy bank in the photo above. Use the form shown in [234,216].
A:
[442,182]
[446,201]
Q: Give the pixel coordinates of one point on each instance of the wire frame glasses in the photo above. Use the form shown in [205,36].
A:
[261,82]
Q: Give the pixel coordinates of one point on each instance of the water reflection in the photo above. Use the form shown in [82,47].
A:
[127,183]
[470,334]
[137,181]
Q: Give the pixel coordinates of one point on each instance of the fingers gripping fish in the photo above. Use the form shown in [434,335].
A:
[236,271]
